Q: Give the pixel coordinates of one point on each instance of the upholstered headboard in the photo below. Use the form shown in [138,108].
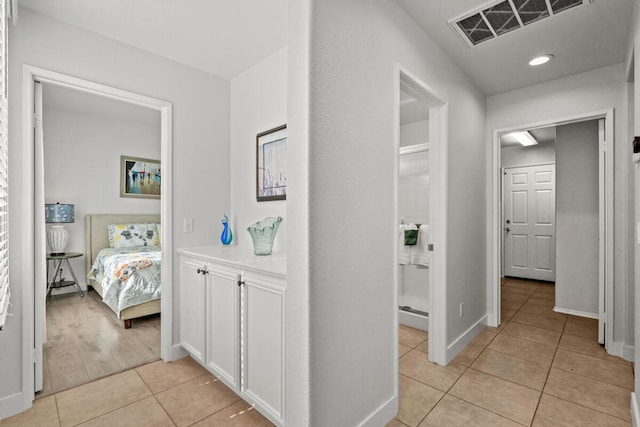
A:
[97,236]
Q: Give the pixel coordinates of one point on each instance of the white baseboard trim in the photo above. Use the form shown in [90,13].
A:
[175,352]
[635,410]
[576,312]
[463,340]
[629,353]
[12,405]
[413,320]
[620,349]
[381,416]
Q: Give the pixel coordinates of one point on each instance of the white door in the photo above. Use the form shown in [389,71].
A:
[192,307]
[529,222]
[263,344]
[40,246]
[223,324]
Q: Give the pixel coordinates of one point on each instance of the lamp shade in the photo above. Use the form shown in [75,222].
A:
[59,213]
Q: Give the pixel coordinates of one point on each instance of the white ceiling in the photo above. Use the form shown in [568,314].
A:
[590,36]
[222,37]
[225,37]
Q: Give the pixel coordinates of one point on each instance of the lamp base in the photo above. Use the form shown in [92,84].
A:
[57,239]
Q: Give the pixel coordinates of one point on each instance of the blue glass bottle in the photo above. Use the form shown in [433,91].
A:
[227,235]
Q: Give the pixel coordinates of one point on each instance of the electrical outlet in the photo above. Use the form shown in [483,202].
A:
[187,227]
[461,309]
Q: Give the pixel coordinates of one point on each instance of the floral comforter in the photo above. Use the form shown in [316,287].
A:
[129,276]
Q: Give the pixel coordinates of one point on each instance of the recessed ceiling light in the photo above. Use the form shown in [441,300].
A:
[539,60]
[524,138]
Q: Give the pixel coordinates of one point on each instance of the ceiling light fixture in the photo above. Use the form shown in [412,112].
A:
[524,138]
[539,60]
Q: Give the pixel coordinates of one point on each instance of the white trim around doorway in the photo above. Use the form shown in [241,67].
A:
[494,231]
[33,296]
[438,147]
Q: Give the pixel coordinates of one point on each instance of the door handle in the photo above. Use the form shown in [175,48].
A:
[508,221]
[507,229]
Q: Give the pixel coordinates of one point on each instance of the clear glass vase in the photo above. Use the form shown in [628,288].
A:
[263,234]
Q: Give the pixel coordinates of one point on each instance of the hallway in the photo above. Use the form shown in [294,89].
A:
[538,368]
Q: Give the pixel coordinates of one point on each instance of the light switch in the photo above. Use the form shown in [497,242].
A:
[188,225]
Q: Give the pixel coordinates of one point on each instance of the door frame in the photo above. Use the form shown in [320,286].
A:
[438,155]
[34,296]
[607,223]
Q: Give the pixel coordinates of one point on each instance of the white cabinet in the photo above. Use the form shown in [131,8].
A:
[263,342]
[232,322]
[223,324]
[192,308]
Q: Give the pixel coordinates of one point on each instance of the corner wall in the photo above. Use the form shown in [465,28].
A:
[258,103]
[354,48]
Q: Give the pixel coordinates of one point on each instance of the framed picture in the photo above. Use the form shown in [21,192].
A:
[139,177]
[271,164]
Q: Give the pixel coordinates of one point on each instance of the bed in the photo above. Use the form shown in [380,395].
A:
[97,238]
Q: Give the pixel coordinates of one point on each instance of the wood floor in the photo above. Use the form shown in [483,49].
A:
[85,341]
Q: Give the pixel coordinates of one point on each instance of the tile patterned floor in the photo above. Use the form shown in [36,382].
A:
[539,368]
[159,394]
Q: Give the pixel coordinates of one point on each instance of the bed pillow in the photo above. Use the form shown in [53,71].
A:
[132,235]
[158,234]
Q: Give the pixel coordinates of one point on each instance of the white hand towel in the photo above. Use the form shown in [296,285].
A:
[404,251]
[420,252]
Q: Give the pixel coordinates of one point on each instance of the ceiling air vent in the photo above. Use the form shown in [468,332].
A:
[500,17]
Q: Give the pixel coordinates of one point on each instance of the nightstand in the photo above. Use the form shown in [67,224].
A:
[58,261]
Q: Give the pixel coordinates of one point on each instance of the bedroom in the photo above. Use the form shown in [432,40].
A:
[84,137]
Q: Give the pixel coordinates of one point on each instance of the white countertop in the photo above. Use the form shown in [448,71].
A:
[240,256]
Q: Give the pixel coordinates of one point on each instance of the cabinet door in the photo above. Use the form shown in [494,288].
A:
[192,308]
[223,321]
[263,345]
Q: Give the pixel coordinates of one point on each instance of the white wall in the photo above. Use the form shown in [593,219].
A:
[577,217]
[82,148]
[414,133]
[350,209]
[587,92]
[258,103]
[200,146]
[517,155]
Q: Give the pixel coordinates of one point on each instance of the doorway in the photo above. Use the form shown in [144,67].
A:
[521,256]
[418,97]
[35,268]
[79,140]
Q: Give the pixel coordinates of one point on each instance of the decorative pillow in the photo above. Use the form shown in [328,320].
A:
[159,234]
[132,235]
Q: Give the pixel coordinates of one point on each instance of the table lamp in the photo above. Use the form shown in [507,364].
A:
[57,236]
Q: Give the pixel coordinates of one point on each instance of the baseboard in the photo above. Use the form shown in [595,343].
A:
[629,353]
[576,312]
[413,320]
[463,340]
[381,416]
[12,405]
[175,352]
[635,410]
[620,349]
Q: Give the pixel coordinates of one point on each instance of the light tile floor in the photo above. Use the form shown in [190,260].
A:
[159,394]
[539,368]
